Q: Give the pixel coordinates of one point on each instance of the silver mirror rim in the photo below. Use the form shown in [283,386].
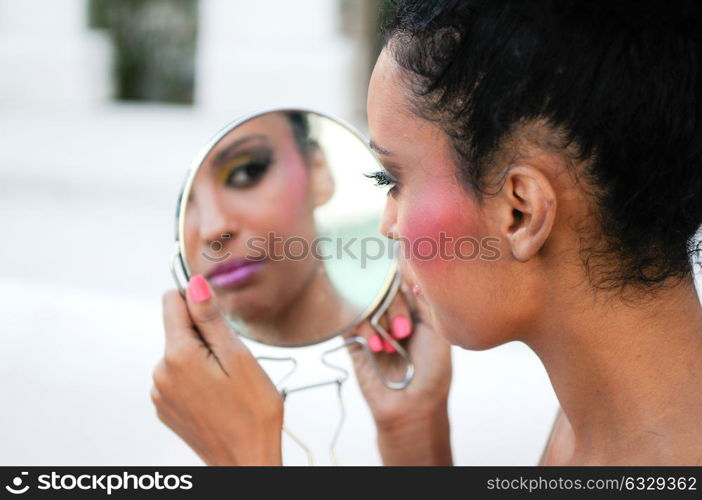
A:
[187,185]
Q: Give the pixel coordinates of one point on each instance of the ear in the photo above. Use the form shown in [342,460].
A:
[528,212]
[322,182]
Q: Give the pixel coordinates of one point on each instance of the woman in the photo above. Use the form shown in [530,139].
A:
[265,177]
[570,131]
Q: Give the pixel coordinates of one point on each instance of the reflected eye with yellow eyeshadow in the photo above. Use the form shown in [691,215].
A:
[246,170]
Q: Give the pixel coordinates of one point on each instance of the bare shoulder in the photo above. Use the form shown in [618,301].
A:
[560,444]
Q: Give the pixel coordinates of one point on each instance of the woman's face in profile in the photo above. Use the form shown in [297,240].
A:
[251,194]
[472,299]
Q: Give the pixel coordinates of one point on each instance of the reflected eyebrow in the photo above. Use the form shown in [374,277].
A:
[378,149]
[230,149]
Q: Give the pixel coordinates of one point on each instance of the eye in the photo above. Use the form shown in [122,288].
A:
[383,178]
[246,172]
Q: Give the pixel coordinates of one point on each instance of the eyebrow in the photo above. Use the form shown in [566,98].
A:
[223,155]
[378,149]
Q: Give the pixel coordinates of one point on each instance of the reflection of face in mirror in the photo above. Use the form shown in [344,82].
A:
[249,226]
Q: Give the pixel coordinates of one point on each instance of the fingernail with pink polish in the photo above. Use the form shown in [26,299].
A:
[388,347]
[401,327]
[198,290]
[375,343]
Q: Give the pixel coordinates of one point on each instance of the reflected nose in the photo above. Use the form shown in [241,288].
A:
[217,226]
[388,221]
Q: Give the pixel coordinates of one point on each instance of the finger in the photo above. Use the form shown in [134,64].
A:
[384,334]
[388,347]
[365,331]
[376,343]
[177,323]
[156,397]
[400,318]
[374,340]
[208,318]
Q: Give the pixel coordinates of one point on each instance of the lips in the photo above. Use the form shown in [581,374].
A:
[234,273]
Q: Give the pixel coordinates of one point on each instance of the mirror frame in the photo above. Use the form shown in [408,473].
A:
[178,265]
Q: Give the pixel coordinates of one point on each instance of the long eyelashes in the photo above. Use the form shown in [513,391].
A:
[382,178]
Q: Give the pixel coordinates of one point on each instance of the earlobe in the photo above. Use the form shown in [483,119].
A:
[531,202]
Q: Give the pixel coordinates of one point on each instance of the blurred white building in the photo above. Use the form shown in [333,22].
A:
[88,188]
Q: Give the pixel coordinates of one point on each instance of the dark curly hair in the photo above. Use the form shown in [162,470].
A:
[301,130]
[619,83]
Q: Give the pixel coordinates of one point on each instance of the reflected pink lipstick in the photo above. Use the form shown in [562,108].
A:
[234,273]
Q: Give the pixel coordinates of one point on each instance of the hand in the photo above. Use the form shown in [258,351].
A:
[210,390]
[412,423]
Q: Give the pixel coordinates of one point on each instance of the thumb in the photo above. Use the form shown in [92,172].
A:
[208,319]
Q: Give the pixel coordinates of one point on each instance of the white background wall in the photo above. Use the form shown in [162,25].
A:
[87,198]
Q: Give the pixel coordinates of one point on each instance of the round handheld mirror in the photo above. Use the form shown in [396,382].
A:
[279,217]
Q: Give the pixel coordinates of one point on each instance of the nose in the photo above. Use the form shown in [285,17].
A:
[216,222]
[388,221]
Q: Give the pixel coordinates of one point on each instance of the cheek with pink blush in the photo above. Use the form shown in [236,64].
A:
[283,204]
[431,224]
[457,290]
[295,203]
